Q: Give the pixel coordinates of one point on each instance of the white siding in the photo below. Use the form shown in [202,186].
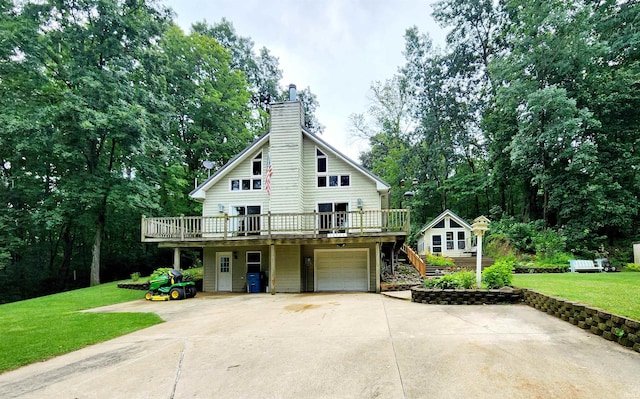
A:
[221,193]
[361,185]
[285,140]
[209,270]
[288,264]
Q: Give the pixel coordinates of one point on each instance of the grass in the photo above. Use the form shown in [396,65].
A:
[613,292]
[41,328]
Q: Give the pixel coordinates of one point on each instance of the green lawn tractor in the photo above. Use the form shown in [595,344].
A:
[170,286]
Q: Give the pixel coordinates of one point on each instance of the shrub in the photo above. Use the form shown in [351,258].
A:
[498,246]
[159,272]
[500,274]
[135,276]
[439,260]
[634,267]
[548,243]
[458,280]
[465,279]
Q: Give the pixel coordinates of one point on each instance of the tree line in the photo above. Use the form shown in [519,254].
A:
[529,115]
[108,111]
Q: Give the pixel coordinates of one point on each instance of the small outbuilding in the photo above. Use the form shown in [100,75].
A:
[447,235]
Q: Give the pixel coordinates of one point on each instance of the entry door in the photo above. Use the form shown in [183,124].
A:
[223,264]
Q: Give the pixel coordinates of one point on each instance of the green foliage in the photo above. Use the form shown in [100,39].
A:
[41,328]
[161,271]
[439,260]
[193,274]
[499,274]
[135,276]
[634,267]
[457,280]
[549,244]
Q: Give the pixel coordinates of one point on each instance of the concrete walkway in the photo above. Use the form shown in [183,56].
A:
[336,346]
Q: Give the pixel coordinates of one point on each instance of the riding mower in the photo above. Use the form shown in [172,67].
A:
[170,286]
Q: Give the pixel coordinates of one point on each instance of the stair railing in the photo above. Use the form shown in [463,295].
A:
[415,259]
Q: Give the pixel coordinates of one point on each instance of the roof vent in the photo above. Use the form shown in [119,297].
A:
[292,92]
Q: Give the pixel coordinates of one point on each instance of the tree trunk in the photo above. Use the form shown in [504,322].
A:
[95,258]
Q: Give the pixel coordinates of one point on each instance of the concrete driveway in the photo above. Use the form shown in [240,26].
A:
[336,346]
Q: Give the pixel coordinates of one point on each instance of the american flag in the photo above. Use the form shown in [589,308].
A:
[267,183]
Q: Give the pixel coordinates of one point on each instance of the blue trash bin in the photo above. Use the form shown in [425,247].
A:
[254,283]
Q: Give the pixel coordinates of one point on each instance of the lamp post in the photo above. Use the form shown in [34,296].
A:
[479,227]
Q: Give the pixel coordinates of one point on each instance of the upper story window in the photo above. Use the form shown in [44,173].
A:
[254,182]
[321,161]
[256,165]
[324,179]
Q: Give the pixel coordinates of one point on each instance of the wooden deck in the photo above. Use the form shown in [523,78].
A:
[313,225]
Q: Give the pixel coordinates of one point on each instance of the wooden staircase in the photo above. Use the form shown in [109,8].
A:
[427,270]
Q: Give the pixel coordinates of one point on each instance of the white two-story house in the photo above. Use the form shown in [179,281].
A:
[293,209]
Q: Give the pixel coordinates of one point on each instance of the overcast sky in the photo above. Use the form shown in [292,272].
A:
[337,48]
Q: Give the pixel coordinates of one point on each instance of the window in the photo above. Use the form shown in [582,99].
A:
[461,240]
[436,244]
[333,217]
[450,240]
[439,225]
[255,182]
[246,220]
[333,181]
[225,264]
[453,223]
[256,165]
[321,162]
[254,262]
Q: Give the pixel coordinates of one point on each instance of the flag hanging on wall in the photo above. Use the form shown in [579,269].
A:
[267,182]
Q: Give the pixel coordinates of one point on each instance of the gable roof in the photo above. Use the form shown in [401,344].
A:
[199,192]
[438,218]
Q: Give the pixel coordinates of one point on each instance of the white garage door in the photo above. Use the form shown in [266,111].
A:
[342,270]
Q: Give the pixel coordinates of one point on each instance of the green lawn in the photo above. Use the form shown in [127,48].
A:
[617,293]
[41,328]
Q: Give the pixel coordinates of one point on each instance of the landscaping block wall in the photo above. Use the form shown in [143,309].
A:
[622,330]
[465,297]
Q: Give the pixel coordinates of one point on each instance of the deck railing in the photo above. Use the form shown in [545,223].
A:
[331,224]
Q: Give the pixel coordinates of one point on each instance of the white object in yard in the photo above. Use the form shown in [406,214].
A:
[584,266]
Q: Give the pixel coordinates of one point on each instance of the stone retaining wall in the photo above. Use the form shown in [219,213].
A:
[385,287]
[526,270]
[622,330]
[134,286]
[465,297]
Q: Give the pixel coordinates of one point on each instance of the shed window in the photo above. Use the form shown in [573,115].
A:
[439,225]
[453,223]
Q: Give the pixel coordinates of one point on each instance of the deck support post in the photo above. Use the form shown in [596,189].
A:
[378,254]
[272,269]
[176,258]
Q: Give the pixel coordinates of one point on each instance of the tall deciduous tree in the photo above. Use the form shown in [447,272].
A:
[85,114]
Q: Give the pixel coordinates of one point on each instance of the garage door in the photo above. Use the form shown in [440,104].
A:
[342,270]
